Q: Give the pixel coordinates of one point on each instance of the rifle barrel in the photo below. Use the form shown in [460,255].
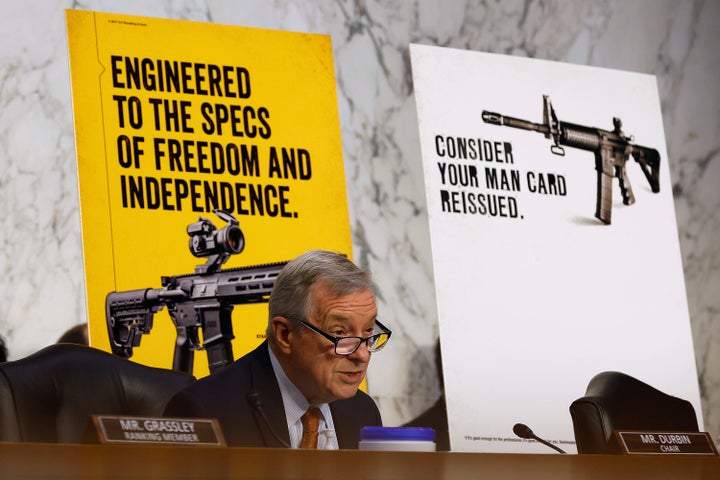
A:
[497,119]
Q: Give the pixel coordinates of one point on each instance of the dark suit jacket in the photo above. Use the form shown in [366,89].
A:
[225,396]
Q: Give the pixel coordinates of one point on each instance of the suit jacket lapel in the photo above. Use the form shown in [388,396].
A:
[265,384]
[340,427]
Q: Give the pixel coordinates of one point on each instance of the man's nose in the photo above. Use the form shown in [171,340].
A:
[362,354]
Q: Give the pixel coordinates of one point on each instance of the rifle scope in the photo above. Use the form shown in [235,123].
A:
[207,240]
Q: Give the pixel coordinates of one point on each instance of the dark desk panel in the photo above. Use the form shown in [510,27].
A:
[51,461]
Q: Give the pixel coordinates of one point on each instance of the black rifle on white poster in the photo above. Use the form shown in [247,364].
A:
[612,150]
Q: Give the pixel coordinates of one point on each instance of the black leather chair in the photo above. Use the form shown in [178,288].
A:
[50,395]
[616,401]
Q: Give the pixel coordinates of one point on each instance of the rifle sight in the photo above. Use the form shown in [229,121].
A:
[207,240]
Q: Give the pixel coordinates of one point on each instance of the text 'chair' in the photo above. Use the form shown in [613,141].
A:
[616,401]
[50,395]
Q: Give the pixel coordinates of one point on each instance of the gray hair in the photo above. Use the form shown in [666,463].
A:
[290,297]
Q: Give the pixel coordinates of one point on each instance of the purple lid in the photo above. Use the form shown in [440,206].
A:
[418,434]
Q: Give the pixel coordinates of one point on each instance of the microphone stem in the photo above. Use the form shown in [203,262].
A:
[254,399]
[545,442]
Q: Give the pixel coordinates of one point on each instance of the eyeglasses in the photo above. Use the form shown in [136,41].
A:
[348,345]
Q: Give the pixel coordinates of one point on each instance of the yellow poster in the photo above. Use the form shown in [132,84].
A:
[206,154]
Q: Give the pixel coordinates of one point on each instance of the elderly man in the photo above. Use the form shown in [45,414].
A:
[299,388]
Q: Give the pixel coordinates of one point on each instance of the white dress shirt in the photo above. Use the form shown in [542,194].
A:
[296,405]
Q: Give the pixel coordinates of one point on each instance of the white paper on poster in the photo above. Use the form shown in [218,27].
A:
[535,295]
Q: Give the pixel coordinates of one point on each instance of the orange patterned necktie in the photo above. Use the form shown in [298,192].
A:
[311,424]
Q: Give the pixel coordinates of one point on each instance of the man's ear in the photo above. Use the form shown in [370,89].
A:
[282,331]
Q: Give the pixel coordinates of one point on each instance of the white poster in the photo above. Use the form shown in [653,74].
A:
[554,240]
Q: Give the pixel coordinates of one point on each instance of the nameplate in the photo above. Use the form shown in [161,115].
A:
[169,431]
[666,443]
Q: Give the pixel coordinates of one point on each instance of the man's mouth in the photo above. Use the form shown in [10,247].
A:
[352,376]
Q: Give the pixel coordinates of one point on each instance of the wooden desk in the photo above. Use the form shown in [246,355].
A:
[30,461]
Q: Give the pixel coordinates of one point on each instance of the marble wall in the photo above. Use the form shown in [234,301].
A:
[41,269]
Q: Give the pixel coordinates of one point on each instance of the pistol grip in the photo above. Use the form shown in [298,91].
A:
[625,188]
[184,355]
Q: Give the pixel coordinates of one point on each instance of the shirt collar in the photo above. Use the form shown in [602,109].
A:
[294,401]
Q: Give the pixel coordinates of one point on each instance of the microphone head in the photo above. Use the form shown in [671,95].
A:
[254,398]
[523,431]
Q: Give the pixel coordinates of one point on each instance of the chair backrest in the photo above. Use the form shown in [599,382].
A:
[50,395]
[616,401]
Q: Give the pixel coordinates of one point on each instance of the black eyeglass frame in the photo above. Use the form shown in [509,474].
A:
[365,340]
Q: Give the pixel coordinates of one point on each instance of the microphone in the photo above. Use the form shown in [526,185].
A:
[256,403]
[523,431]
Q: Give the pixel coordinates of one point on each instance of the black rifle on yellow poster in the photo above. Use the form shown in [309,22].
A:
[200,304]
